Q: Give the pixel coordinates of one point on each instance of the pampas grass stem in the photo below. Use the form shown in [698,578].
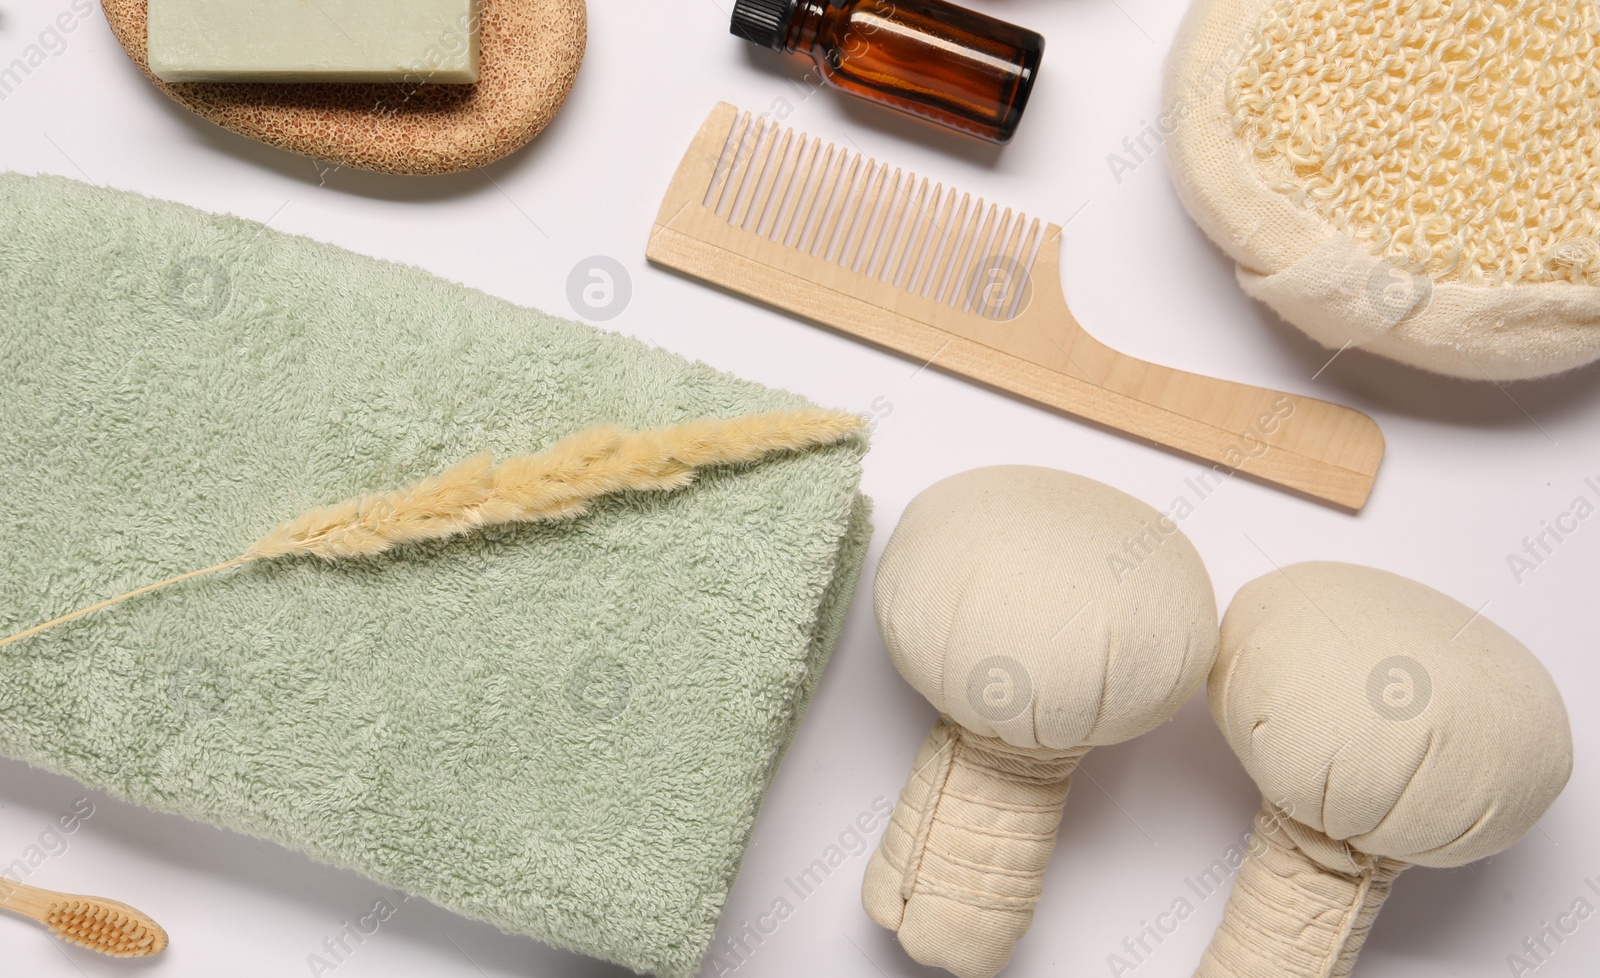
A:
[558,483]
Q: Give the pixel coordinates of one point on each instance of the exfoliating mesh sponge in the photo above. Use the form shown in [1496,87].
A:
[1417,178]
[563,729]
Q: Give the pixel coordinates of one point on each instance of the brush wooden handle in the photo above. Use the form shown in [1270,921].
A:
[27,901]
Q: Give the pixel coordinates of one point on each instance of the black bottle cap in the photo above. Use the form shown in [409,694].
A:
[763,22]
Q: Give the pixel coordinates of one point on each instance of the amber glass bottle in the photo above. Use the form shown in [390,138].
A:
[954,66]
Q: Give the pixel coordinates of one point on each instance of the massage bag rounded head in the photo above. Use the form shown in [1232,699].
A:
[1416,178]
[1045,609]
[1386,717]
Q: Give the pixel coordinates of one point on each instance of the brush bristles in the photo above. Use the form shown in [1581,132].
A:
[117,931]
[889,226]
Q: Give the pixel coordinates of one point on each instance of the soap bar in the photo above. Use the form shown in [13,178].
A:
[413,41]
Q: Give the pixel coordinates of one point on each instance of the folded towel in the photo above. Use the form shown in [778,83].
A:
[563,729]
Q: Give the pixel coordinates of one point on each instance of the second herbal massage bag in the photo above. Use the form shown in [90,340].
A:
[563,729]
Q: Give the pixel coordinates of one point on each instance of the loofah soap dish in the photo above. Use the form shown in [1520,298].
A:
[530,52]
[1411,177]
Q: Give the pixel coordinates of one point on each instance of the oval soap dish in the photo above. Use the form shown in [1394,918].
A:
[530,51]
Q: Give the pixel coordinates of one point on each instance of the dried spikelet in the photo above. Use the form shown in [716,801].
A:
[439,506]
[557,483]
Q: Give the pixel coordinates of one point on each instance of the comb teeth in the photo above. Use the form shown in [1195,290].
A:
[888,225]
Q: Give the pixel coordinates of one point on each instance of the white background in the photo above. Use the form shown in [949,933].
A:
[1472,469]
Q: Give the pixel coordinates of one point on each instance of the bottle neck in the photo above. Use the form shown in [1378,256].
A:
[805,24]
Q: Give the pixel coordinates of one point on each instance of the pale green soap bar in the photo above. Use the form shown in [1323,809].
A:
[416,41]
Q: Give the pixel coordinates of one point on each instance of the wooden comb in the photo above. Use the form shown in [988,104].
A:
[925,270]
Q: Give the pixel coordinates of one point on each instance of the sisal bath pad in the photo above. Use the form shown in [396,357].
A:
[1043,614]
[529,53]
[1387,726]
[1410,177]
[564,729]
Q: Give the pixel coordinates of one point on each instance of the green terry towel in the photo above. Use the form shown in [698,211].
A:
[565,729]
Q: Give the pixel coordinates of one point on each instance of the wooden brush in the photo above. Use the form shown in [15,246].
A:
[100,925]
[947,280]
